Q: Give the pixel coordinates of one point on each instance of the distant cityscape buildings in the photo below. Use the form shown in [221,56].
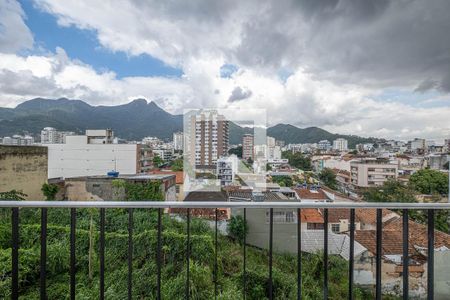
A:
[17,140]
[178,141]
[340,144]
[50,135]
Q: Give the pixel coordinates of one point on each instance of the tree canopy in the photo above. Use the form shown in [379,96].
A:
[328,178]
[429,181]
[298,160]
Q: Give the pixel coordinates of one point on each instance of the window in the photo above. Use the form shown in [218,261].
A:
[311,226]
[282,217]
[335,228]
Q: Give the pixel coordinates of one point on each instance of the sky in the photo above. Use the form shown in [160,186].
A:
[369,68]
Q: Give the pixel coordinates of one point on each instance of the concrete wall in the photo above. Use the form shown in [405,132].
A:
[23,168]
[73,160]
[284,234]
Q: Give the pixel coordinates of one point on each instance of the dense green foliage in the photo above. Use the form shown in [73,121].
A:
[49,191]
[328,178]
[283,180]
[230,260]
[236,151]
[150,190]
[13,195]
[391,191]
[394,191]
[177,165]
[157,161]
[238,228]
[429,181]
[298,160]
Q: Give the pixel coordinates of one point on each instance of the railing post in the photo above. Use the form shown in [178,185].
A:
[378,254]
[430,262]
[244,279]
[102,253]
[351,254]
[325,254]
[73,270]
[270,254]
[130,253]
[159,258]
[215,254]
[43,269]
[405,255]
[299,254]
[15,253]
[188,252]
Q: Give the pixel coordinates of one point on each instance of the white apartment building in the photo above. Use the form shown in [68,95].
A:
[94,154]
[17,140]
[418,145]
[369,173]
[164,154]
[226,169]
[324,145]
[178,140]
[50,135]
[340,144]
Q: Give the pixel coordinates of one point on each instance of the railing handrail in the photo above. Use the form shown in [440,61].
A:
[217,204]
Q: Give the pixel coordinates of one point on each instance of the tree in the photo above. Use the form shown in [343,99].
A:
[328,177]
[238,228]
[237,151]
[283,180]
[177,165]
[390,191]
[157,161]
[298,160]
[13,195]
[49,190]
[446,165]
[429,182]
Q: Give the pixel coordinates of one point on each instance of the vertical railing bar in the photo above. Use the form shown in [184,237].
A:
[379,236]
[430,262]
[130,253]
[215,255]
[405,255]
[102,253]
[73,271]
[351,254]
[188,252]
[159,257]
[15,253]
[325,254]
[43,270]
[270,254]
[299,254]
[244,277]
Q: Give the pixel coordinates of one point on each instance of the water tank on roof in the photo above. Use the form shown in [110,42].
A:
[113,174]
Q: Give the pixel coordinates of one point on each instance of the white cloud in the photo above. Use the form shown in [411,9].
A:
[333,76]
[14,33]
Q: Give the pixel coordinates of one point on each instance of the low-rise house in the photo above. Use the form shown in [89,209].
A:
[392,255]
[179,181]
[105,188]
[311,193]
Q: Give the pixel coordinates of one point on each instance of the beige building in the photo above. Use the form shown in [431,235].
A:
[209,138]
[247,146]
[23,168]
[369,173]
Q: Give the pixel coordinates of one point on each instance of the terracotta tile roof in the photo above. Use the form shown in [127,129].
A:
[311,215]
[337,214]
[418,234]
[369,216]
[179,175]
[392,239]
[308,194]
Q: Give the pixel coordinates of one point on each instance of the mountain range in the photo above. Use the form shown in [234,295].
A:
[133,121]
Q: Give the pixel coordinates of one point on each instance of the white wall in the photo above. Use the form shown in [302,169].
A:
[78,159]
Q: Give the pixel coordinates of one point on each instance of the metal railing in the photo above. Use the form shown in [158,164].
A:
[130,205]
